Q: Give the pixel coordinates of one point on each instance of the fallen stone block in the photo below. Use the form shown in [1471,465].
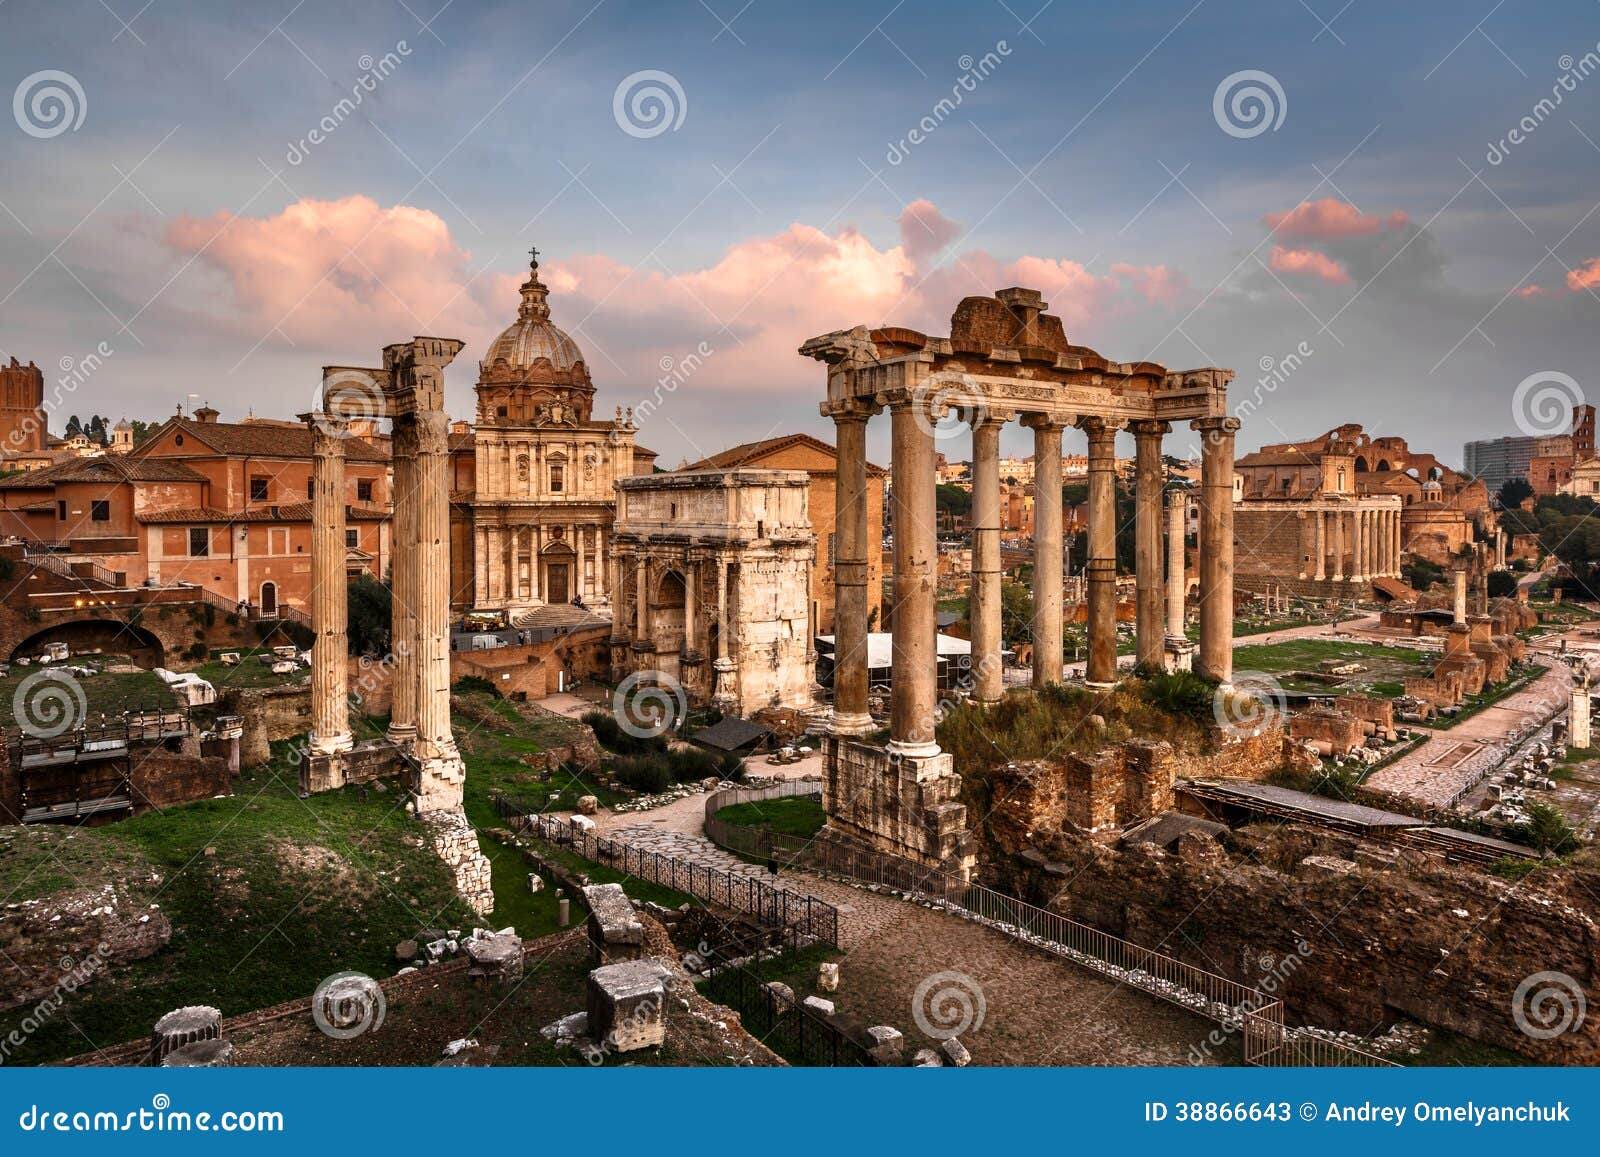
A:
[615,932]
[828,977]
[817,1004]
[627,1005]
[888,1045]
[956,1052]
[782,995]
[926,1059]
[182,1026]
[587,805]
[202,1054]
[498,957]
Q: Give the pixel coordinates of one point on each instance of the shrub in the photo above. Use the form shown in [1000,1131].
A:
[1182,693]
[642,773]
[470,684]
[613,738]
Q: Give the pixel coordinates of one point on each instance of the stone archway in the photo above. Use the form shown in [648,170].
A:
[558,573]
[142,647]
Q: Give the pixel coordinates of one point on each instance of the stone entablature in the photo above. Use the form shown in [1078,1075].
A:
[712,580]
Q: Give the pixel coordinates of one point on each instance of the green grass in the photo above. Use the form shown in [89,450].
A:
[108,692]
[250,671]
[794,816]
[1385,667]
[294,891]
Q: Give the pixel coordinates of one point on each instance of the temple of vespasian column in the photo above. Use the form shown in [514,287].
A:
[1005,359]
[408,390]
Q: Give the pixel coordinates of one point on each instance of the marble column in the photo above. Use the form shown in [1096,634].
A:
[1047,549]
[1338,544]
[1177,512]
[641,600]
[1458,579]
[723,695]
[1216,547]
[330,703]
[691,640]
[1149,478]
[1101,669]
[403,584]
[986,573]
[620,609]
[1306,546]
[915,686]
[443,773]
[850,573]
[1359,561]
[1320,571]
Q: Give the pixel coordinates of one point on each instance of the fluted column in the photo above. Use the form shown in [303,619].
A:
[403,589]
[850,573]
[1148,482]
[443,773]
[1177,512]
[915,686]
[1047,548]
[1216,547]
[330,704]
[1101,669]
[986,573]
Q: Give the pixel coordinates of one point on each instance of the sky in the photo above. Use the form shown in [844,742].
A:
[1363,209]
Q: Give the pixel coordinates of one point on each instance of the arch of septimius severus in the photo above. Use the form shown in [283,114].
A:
[1005,359]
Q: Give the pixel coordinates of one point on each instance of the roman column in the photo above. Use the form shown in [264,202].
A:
[1216,546]
[850,571]
[1459,578]
[442,772]
[1148,482]
[330,704]
[986,573]
[1177,504]
[1338,544]
[691,575]
[1101,669]
[914,688]
[1047,548]
[403,588]
[1320,572]
[641,600]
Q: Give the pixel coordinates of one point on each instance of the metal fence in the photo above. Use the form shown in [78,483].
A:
[760,843]
[788,1028]
[750,895]
[1269,1044]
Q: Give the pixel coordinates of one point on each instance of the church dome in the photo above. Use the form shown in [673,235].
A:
[532,337]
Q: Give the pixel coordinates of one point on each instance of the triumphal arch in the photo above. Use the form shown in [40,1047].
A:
[1006,359]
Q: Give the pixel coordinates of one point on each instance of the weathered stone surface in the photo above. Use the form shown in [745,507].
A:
[828,977]
[926,1059]
[615,932]
[587,805]
[182,1026]
[203,1054]
[499,957]
[956,1052]
[818,1004]
[627,1005]
[888,1045]
[406,951]
[782,994]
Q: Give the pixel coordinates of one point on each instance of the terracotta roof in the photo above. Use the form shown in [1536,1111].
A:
[256,440]
[746,453]
[105,468]
[462,441]
[640,452]
[1276,458]
[289,512]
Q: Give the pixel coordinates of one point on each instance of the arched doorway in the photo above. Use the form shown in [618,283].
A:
[269,599]
[107,635]
[556,573]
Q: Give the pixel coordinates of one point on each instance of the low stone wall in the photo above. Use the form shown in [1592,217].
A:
[163,778]
[269,714]
[1351,933]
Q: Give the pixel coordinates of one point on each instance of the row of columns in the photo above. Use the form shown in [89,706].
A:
[631,621]
[914,689]
[501,552]
[1368,540]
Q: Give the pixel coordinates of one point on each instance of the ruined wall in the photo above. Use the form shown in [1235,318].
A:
[269,714]
[1446,946]
[879,802]
[163,778]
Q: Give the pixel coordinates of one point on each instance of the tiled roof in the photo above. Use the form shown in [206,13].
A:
[105,468]
[289,512]
[747,453]
[260,440]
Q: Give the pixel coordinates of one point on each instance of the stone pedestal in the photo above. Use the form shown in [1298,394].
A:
[184,1026]
[627,1005]
[906,806]
[497,959]
[615,931]
[1579,730]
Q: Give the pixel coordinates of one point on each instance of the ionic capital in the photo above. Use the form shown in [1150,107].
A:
[1149,427]
[846,410]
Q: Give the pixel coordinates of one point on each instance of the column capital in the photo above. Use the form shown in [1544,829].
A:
[1217,424]
[1045,421]
[849,409]
[1149,427]
[1097,426]
[984,418]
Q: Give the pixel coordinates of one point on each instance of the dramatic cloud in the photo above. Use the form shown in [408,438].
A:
[1328,220]
[1155,283]
[1585,276]
[924,231]
[1309,262]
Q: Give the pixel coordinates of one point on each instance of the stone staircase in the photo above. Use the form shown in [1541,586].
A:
[562,617]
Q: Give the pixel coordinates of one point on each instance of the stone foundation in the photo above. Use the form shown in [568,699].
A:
[376,759]
[455,842]
[1333,732]
[904,806]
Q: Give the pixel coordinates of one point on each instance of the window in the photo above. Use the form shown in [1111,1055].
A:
[100,510]
[352,538]
[500,412]
[364,490]
[61,511]
[199,542]
[258,489]
[558,477]
[311,488]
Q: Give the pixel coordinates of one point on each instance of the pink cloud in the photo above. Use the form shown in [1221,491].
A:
[1155,283]
[1585,276]
[1533,291]
[344,277]
[1310,262]
[1328,220]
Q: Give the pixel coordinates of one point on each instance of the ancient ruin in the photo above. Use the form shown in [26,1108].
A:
[1006,359]
[409,391]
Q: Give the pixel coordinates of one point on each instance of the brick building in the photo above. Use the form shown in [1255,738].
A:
[24,440]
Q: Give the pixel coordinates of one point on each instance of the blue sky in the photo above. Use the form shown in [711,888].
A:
[179,223]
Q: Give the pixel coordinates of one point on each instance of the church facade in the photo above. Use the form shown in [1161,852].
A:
[534,480]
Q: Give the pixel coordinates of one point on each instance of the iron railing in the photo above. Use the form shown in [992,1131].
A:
[787,1027]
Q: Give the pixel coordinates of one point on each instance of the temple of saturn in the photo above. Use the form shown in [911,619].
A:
[409,391]
[1005,359]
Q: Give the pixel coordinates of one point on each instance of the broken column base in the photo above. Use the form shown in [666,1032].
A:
[1178,653]
[907,806]
[615,932]
[627,1005]
[456,843]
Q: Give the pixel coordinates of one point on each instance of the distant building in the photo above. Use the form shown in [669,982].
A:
[24,438]
[1495,460]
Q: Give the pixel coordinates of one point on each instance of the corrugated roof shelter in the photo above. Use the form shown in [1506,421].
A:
[732,734]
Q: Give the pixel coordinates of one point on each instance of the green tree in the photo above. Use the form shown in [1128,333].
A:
[369,613]
[1502,584]
[954,499]
[73,426]
[1547,830]
[1513,492]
